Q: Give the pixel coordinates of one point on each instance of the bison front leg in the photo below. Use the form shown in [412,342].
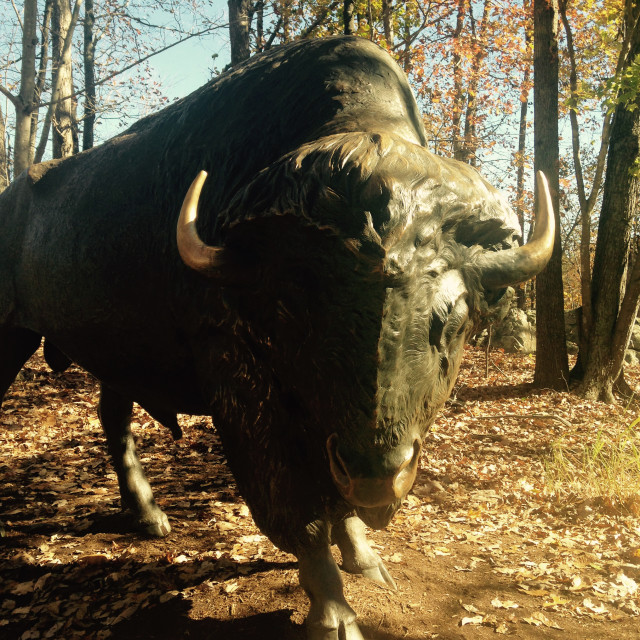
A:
[16,347]
[135,491]
[357,555]
[330,617]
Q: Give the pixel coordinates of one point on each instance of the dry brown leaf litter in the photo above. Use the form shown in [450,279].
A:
[482,546]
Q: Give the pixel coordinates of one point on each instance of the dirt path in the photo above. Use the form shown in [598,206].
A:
[480,548]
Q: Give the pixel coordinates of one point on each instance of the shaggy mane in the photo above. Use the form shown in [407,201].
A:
[333,182]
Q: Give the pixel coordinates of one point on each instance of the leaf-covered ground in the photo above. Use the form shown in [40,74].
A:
[482,546]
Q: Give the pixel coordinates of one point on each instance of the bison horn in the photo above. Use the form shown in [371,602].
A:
[499,269]
[193,251]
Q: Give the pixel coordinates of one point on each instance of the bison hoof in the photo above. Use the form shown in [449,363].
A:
[380,575]
[345,631]
[375,571]
[158,528]
[333,621]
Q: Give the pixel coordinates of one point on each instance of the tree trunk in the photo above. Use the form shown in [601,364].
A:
[478,42]
[43,65]
[89,51]
[23,142]
[587,204]
[286,20]
[387,21]
[349,17]
[459,97]
[4,159]
[552,363]
[521,290]
[405,56]
[614,295]
[64,138]
[239,30]
[61,62]
[260,26]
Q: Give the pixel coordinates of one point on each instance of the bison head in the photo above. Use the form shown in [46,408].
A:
[433,247]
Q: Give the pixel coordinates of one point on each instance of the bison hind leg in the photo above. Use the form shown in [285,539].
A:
[115,415]
[57,361]
[357,555]
[166,419]
[16,347]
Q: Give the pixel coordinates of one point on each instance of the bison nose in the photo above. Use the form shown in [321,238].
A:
[376,490]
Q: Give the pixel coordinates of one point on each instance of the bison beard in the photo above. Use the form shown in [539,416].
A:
[313,295]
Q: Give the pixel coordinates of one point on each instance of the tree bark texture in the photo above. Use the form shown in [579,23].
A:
[387,21]
[43,66]
[4,159]
[614,299]
[89,51]
[349,17]
[521,290]
[587,203]
[239,30]
[23,142]
[260,25]
[64,133]
[61,61]
[552,364]
[458,93]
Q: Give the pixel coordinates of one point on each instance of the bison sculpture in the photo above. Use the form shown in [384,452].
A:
[313,295]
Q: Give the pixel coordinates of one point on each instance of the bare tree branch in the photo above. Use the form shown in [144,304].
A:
[320,18]
[13,4]
[273,35]
[135,64]
[14,101]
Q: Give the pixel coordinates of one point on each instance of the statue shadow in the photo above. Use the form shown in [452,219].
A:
[171,620]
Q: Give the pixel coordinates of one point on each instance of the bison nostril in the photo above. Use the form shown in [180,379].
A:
[435,330]
[375,489]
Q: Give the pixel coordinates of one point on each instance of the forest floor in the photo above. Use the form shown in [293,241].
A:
[483,545]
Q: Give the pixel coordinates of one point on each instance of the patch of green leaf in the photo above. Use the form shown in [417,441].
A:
[623,88]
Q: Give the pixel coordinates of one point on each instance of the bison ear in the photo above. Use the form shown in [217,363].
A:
[489,234]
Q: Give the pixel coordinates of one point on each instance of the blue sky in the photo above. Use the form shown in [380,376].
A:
[180,70]
[186,66]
